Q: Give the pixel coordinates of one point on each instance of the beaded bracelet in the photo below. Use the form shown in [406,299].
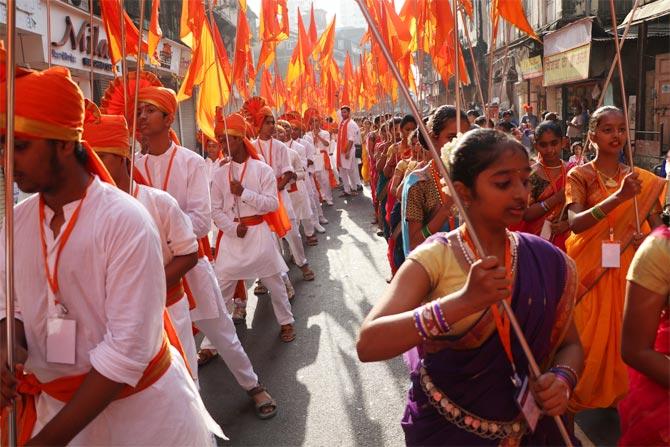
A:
[430,324]
[437,311]
[597,213]
[426,232]
[418,325]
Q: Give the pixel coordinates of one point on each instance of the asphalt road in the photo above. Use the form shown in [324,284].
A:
[326,396]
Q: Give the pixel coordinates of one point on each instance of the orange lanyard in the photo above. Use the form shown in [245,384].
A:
[554,189]
[260,146]
[53,279]
[167,174]
[606,193]
[230,173]
[502,321]
[136,191]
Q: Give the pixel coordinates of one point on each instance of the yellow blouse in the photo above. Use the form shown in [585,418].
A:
[649,267]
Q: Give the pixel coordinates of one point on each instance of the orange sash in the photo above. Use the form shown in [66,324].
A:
[329,167]
[342,139]
[64,388]
[250,221]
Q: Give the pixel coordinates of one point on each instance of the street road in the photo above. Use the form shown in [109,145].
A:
[326,396]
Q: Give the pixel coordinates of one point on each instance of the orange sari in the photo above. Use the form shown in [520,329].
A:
[599,312]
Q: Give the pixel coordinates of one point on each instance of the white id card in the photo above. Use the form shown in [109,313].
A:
[529,408]
[611,255]
[61,339]
[546,230]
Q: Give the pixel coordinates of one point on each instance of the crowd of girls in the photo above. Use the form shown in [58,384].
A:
[579,252]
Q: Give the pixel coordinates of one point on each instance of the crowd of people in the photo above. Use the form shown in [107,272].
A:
[577,248]
[125,255]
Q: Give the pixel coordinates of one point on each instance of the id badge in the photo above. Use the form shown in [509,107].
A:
[611,255]
[546,230]
[61,340]
[529,408]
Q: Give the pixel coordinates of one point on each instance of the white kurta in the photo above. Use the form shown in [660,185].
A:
[349,163]
[275,153]
[256,255]
[189,185]
[299,198]
[177,239]
[113,284]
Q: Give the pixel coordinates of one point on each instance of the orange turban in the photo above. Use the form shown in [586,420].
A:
[163,98]
[49,105]
[108,134]
[233,124]
[256,109]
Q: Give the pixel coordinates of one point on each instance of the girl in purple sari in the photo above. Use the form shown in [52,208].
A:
[466,367]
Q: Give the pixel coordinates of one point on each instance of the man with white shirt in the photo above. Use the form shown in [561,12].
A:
[347,135]
[298,134]
[275,153]
[244,197]
[89,299]
[323,172]
[181,173]
[214,156]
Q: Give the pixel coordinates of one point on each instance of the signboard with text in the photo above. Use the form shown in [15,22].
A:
[567,66]
[531,67]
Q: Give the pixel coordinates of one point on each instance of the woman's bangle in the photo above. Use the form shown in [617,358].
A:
[598,213]
[426,232]
[441,321]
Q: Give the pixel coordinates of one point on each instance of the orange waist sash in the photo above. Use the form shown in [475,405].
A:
[64,389]
[250,221]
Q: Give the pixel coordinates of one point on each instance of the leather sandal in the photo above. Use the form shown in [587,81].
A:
[264,405]
[287,333]
[260,289]
[239,315]
[205,356]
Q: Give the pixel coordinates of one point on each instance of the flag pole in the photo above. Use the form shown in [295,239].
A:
[90,42]
[472,57]
[532,363]
[138,68]
[624,101]
[489,85]
[9,208]
[49,32]
[457,67]
[124,67]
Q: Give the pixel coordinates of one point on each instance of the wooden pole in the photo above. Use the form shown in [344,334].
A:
[138,69]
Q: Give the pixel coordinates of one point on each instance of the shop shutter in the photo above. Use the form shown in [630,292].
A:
[188,127]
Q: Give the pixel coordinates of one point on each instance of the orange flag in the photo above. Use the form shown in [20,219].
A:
[243,54]
[323,49]
[299,58]
[111,18]
[205,70]
[512,11]
[155,32]
[312,28]
[267,91]
[347,95]
[272,31]
[192,18]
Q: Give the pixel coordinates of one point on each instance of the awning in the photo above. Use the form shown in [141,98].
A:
[650,11]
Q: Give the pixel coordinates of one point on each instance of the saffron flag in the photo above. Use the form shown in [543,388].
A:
[512,11]
[243,54]
[112,14]
[299,58]
[155,32]
[272,30]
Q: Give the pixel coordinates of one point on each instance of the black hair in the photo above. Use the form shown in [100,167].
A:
[481,121]
[422,140]
[347,108]
[80,153]
[378,118]
[439,119]
[575,144]
[507,112]
[602,111]
[473,112]
[506,127]
[477,150]
[407,119]
[548,126]
[395,121]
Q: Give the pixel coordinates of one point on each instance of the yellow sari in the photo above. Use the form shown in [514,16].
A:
[599,312]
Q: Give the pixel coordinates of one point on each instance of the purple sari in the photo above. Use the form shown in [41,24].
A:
[478,380]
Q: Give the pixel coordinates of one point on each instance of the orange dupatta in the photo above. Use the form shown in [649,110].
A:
[342,139]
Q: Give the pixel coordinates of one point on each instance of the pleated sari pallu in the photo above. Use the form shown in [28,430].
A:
[472,371]
[599,312]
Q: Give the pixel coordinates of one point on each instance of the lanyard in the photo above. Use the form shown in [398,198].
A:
[606,193]
[52,280]
[167,174]
[502,321]
[230,173]
[260,146]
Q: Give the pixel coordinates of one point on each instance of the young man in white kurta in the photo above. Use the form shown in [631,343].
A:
[321,174]
[256,254]
[347,156]
[315,203]
[181,173]
[113,285]
[300,200]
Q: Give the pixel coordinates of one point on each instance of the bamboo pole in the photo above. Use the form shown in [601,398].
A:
[457,67]
[532,363]
[49,32]
[90,42]
[138,68]
[472,56]
[124,68]
[624,101]
[9,208]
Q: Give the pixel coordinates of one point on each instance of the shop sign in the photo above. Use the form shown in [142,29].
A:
[531,67]
[81,41]
[165,56]
[567,66]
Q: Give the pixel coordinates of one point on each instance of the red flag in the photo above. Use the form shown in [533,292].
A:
[243,54]
[312,28]
[299,58]
[272,31]
[512,11]
[155,32]
[267,90]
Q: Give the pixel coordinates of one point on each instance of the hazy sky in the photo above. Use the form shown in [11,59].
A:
[347,10]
